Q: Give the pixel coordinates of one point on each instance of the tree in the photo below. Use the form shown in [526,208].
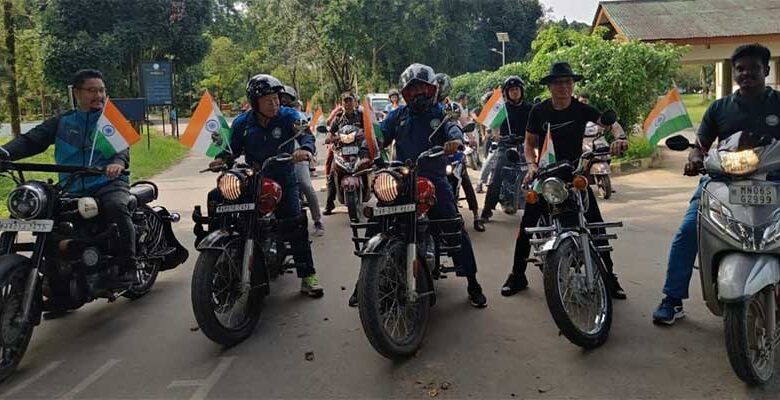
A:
[222,68]
[115,36]
[12,96]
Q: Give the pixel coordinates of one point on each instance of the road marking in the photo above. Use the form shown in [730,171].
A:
[89,380]
[205,385]
[23,384]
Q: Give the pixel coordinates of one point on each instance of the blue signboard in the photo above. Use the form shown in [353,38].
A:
[157,82]
[132,109]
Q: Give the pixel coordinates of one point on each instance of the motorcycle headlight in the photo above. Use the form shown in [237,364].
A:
[347,139]
[229,185]
[739,163]
[449,169]
[554,191]
[386,187]
[27,201]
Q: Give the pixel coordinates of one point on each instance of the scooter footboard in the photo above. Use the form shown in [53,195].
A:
[742,275]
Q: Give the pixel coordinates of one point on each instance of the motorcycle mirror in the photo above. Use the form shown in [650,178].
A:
[469,127]
[322,129]
[609,117]
[678,143]
[296,136]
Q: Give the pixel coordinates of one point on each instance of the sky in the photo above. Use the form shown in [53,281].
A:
[578,10]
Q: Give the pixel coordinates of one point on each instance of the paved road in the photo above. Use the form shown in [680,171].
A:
[150,348]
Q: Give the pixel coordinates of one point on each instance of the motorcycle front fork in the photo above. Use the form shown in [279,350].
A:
[411,261]
[33,278]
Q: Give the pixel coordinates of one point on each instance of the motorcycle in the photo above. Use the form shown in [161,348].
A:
[71,251]
[456,165]
[351,190]
[512,195]
[739,248]
[563,246]
[243,250]
[600,171]
[400,252]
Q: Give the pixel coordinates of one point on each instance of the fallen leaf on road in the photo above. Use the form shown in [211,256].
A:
[325,319]
[433,393]
[343,288]
[445,385]
[309,356]
[194,328]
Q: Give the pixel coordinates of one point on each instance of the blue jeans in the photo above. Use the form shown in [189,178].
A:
[682,253]
[445,208]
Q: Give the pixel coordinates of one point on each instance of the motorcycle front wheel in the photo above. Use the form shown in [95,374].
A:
[15,334]
[749,343]
[605,186]
[352,200]
[583,316]
[394,326]
[226,313]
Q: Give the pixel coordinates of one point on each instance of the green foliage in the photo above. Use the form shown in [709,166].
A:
[639,147]
[696,106]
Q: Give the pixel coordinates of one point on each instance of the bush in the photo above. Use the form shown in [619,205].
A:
[639,147]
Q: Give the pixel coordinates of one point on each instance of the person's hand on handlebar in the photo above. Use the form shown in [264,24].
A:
[695,162]
[114,170]
[452,146]
[533,168]
[618,147]
[301,155]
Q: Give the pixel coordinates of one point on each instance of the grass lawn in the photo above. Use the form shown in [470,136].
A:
[144,163]
[695,106]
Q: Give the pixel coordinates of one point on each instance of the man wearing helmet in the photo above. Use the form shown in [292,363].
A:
[410,126]
[349,115]
[512,132]
[256,134]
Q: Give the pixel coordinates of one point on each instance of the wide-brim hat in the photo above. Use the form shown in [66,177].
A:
[560,70]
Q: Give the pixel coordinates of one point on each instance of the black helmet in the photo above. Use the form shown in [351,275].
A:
[445,85]
[261,85]
[418,74]
[288,95]
[511,82]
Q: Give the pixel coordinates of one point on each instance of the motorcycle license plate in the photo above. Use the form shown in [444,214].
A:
[350,150]
[235,208]
[33,225]
[753,194]
[380,211]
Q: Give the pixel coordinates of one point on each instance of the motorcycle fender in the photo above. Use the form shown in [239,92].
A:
[350,183]
[181,254]
[601,168]
[11,262]
[218,240]
[553,243]
[375,245]
[742,275]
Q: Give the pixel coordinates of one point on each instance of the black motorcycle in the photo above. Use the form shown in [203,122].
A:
[57,253]
[400,253]
[244,248]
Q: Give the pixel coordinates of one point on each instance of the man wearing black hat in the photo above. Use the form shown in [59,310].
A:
[564,117]
[349,115]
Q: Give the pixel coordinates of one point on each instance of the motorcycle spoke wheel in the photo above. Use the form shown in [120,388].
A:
[14,333]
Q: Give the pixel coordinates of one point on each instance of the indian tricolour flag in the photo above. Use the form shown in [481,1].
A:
[371,129]
[547,156]
[208,132]
[494,112]
[668,116]
[316,119]
[112,133]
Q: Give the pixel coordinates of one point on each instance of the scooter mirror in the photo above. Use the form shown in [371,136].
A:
[469,127]
[609,117]
[322,129]
[678,143]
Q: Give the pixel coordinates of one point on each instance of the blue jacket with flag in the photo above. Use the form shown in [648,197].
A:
[73,135]
[258,143]
[411,131]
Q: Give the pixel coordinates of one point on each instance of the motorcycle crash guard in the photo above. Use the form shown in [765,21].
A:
[180,254]
[742,275]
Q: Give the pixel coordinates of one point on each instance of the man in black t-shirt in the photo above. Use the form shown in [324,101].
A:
[564,118]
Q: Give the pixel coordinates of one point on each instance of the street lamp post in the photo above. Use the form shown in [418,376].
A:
[502,37]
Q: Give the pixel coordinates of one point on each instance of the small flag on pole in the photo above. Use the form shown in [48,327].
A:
[315,120]
[494,112]
[668,116]
[547,156]
[208,131]
[308,107]
[112,133]
[371,129]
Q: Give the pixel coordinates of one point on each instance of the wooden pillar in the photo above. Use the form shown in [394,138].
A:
[723,79]
[775,72]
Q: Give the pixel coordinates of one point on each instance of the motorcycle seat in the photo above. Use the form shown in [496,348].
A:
[143,193]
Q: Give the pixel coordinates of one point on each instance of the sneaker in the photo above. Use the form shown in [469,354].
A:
[328,210]
[310,286]
[514,283]
[319,230]
[668,311]
[486,215]
[476,297]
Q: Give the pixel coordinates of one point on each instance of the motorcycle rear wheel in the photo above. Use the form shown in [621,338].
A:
[585,325]
[394,326]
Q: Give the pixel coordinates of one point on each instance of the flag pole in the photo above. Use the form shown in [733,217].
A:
[94,140]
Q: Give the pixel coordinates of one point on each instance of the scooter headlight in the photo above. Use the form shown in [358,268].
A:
[721,216]
[554,191]
[739,163]
[449,169]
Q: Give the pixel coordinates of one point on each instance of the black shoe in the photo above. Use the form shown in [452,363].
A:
[486,215]
[615,290]
[328,210]
[353,300]
[476,297]
[514,283]
[479,225]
